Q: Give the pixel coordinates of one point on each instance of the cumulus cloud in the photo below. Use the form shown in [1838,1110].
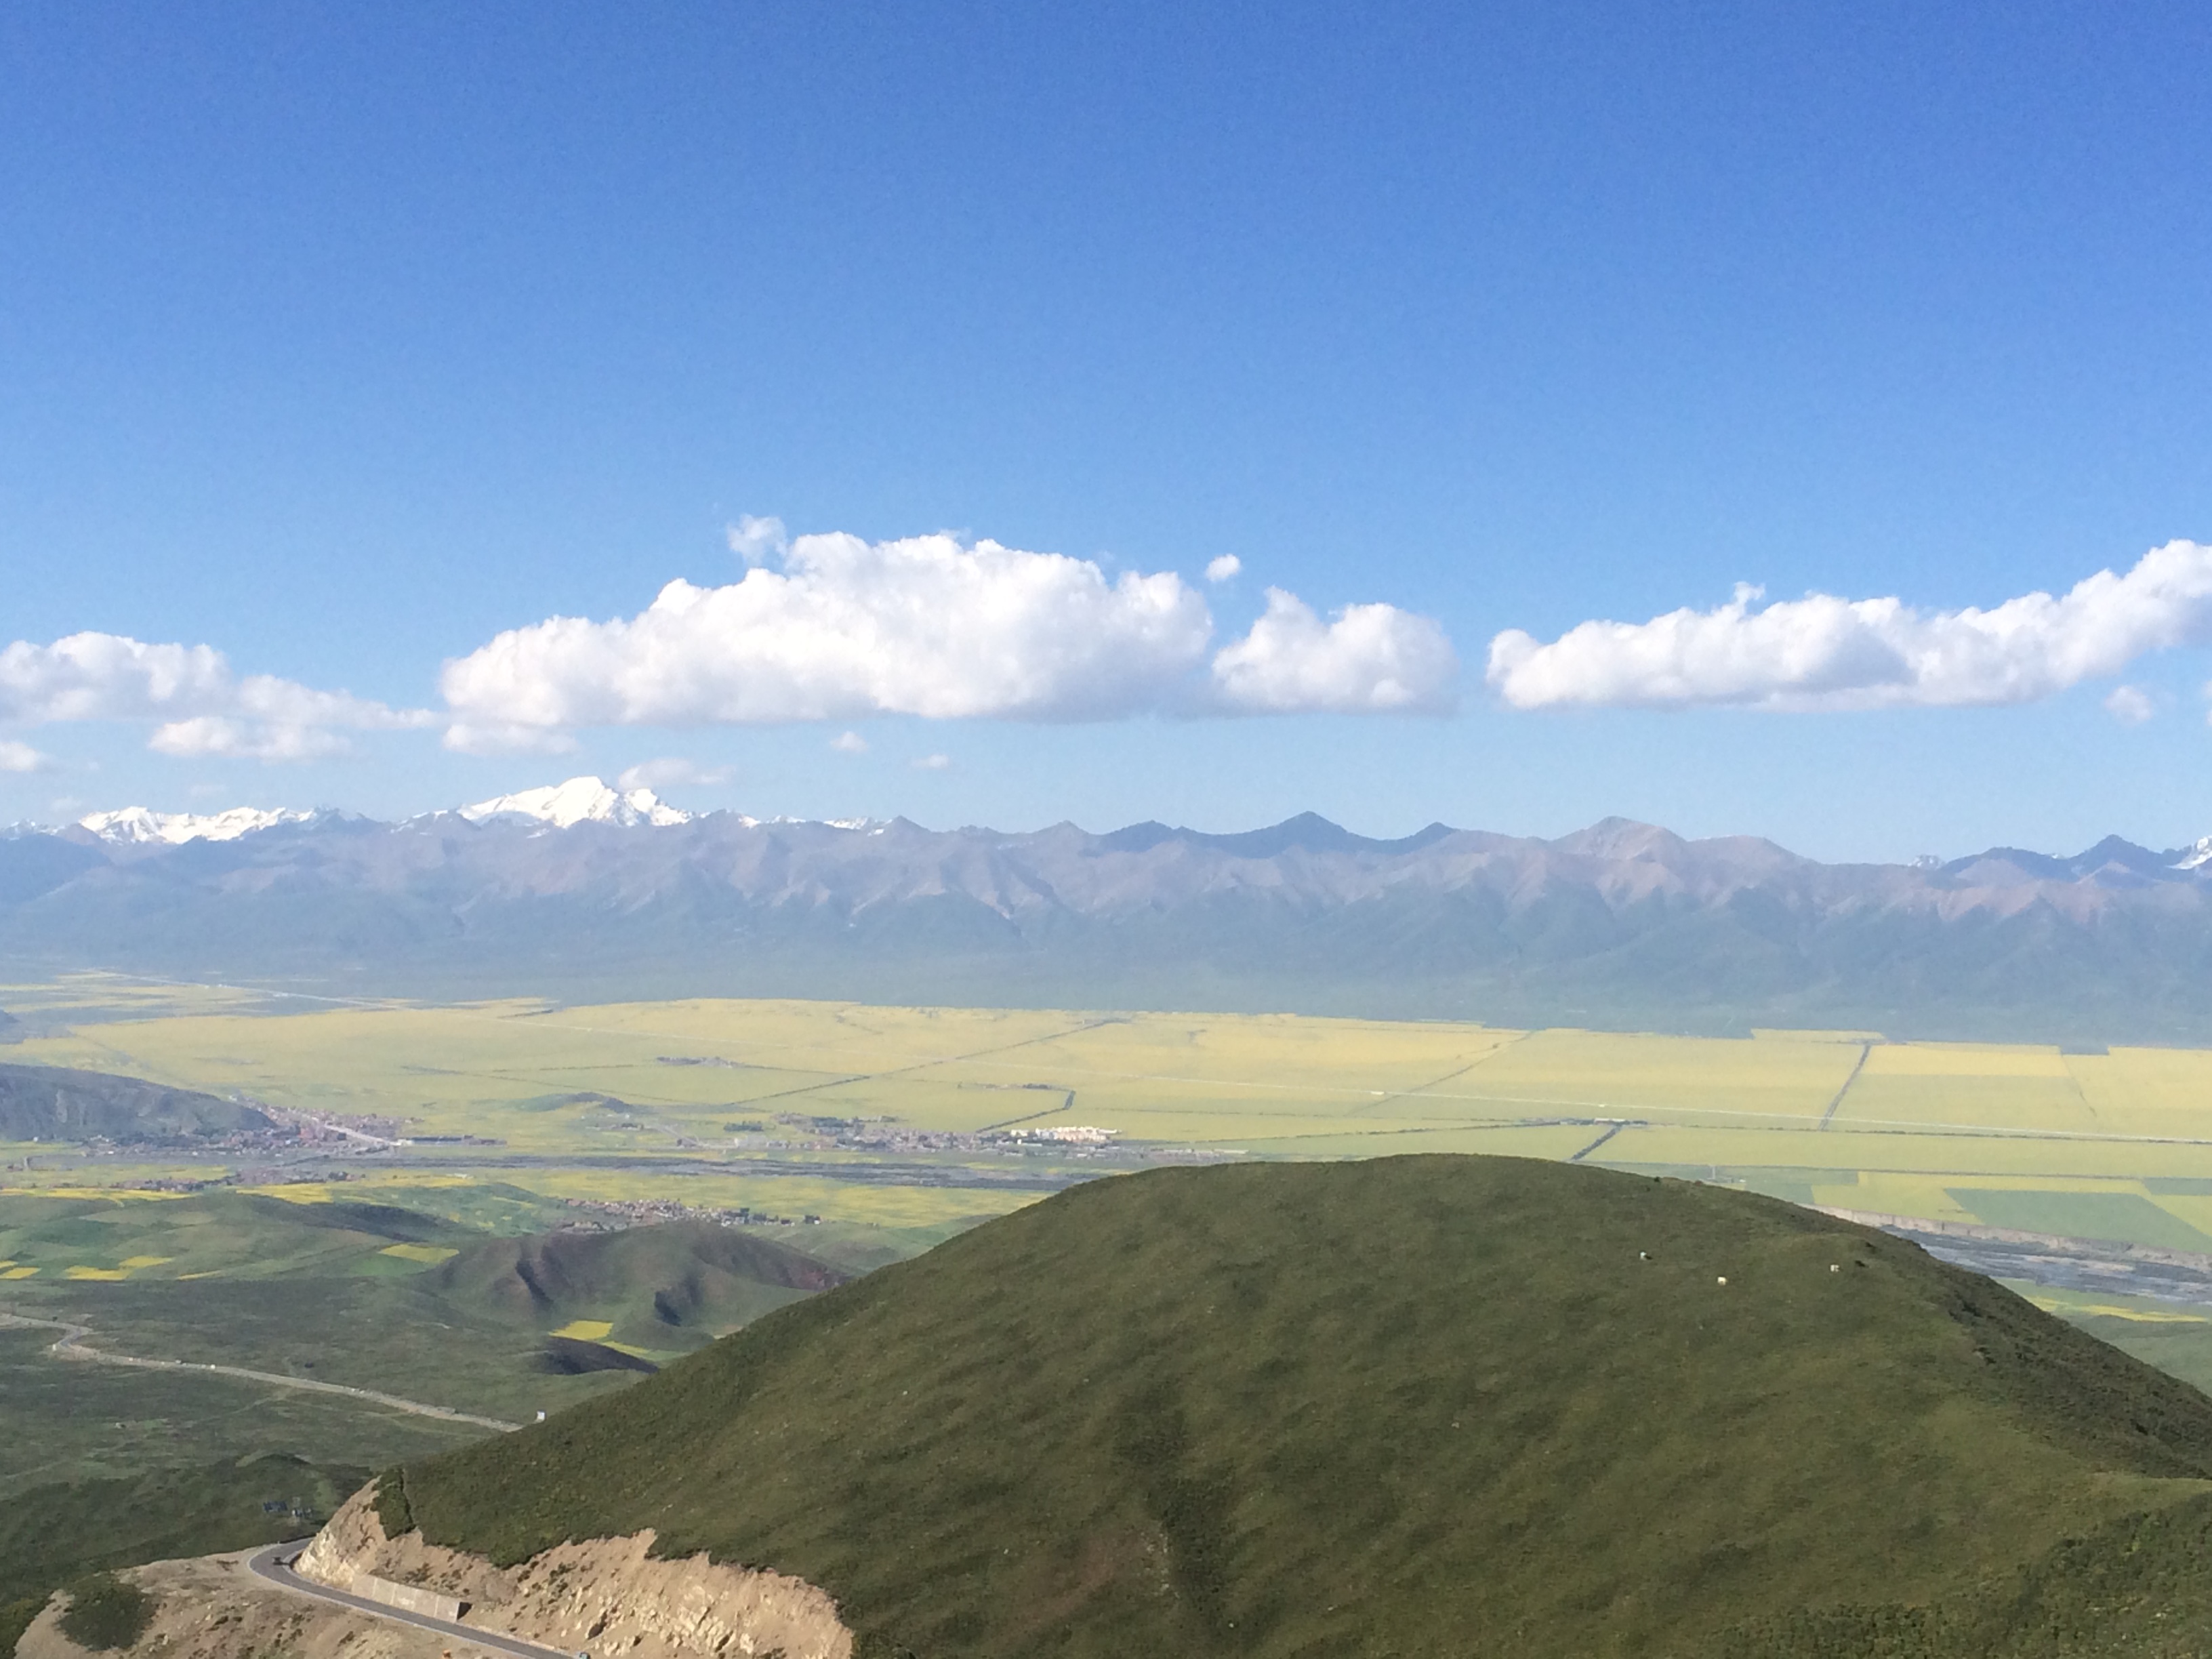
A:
[21,758]
[2129,704]
[849,743]
[1371,660]
[672,771]
[934,627]
[933,763]
[1221,569]
[1823,652]
[923,626]
[203,706]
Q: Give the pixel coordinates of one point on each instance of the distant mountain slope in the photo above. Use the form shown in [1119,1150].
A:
[1414,1405]
[50,1103]
[1622,924]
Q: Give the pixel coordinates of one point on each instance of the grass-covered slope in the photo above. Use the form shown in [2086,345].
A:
[54,1535]
[659,1287]
[379,1297]
[1413,1407]
[50,1533]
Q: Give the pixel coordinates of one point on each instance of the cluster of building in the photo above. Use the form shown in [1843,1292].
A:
[645,1212]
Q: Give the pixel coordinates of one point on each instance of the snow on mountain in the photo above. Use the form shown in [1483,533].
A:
[2198,856]
[580,800]
[136,826]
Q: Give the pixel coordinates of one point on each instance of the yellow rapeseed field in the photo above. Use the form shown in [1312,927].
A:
[691,1100]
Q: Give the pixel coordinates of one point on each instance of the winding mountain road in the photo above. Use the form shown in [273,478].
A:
[274,1566]
[71,1346]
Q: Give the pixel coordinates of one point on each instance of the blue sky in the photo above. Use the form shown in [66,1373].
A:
[345,342]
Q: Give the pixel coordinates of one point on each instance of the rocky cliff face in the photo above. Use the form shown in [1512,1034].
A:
[606,1596]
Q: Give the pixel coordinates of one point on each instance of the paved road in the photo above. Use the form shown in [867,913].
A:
[274,1566]
[71,1346]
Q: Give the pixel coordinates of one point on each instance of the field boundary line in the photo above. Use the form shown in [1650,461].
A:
[1865,1048]
[1066,1104]
[71,1346]
[1611,1130]
[1416,1090]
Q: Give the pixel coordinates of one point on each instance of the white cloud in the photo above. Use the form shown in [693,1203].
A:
[1221,569]
[849,743]
[1372,659]
[2129,704]
[202,707]
[672,771]
[21,758]
[219,736]
[1823,652]
[757,540]
[933,763]
[932,627]
[923,626]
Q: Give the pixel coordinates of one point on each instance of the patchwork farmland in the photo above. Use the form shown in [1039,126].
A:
[861,1135]
[915,1118]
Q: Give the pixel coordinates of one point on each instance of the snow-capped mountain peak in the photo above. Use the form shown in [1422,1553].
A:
[2198,856]
[580,800]
[137,826]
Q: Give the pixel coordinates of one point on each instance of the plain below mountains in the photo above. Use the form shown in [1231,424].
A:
[588,894]
[1412,1406]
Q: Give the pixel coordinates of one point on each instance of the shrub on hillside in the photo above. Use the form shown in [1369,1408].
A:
[393,1508]
[106,1613]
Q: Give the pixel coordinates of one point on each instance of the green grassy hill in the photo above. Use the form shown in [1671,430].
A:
[383,1297]
[663,1287]
[1426,1405]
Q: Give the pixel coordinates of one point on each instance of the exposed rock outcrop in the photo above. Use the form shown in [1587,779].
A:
[607,1596]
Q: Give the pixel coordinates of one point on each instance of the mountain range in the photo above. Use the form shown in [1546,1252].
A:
[583,891]
[53,1102]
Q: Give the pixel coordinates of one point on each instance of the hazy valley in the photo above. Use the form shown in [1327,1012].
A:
[583,894]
